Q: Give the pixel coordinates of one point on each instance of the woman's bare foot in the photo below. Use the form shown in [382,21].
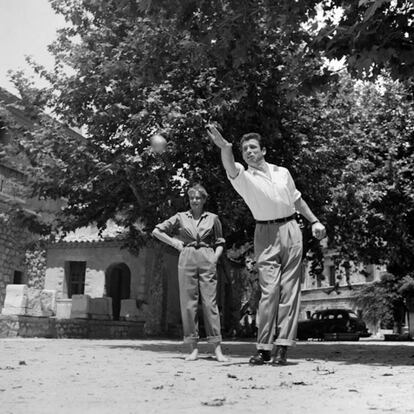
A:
[193,355]
[219,354]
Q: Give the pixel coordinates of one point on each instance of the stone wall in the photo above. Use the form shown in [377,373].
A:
[9,326]
[30,326]
[12,183]
[15,238]
[35,264]
[27,326]
[13,242]
[98,329]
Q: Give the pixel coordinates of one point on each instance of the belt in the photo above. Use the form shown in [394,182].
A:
[279,220]
[197,245]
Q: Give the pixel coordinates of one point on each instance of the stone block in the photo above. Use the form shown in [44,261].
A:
[48,302]
[63,308]
[9,326]
[130,311]
[80,306]
[15,301]
[101,308]
[33,307]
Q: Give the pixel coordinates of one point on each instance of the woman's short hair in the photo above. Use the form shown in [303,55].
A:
[252,135]
[198,188]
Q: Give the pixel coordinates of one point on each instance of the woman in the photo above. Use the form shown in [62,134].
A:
[197,235]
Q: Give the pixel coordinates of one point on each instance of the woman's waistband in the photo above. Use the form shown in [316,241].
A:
[198,245]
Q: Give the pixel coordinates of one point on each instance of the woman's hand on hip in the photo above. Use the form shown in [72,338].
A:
[217,254]
[179,245]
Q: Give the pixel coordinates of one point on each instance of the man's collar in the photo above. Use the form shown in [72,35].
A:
[254,170]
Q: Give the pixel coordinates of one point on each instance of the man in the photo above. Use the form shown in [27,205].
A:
[270,193]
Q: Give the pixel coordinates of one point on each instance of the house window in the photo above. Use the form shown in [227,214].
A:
[332,275]
[75,278]
[17,277]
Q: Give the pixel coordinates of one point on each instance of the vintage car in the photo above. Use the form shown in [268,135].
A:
[334,324]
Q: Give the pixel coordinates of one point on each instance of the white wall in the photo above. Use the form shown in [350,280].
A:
[98,258]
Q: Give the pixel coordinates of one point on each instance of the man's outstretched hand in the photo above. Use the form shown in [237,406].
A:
[217,138]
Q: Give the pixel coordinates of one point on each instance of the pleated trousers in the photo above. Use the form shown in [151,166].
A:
[278,251]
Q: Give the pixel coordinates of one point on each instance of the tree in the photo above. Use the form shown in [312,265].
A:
[372,35]
[381,303]
[376,181]
[153,66]
[172,67]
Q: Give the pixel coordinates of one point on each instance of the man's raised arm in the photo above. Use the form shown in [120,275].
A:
[227,156]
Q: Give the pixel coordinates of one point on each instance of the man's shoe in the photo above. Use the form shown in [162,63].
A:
[280,357]
[261,358]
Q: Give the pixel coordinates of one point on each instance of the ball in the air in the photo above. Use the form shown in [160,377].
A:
[158,143]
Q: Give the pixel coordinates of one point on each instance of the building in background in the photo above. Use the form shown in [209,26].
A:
[93,263]
[14,195]
[337,286]
[86,262]
[14,237]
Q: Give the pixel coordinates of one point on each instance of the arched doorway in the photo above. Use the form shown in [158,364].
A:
[118,286]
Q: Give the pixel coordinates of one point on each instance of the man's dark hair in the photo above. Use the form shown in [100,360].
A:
[252,135]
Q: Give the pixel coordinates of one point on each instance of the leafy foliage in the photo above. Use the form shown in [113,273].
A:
[372,209]
[382,302]
[143,67]
[406,288]
[372,34]
[140,67]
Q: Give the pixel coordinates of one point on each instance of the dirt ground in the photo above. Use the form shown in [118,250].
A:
[150,376]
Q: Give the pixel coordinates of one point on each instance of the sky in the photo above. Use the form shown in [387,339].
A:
[26,28]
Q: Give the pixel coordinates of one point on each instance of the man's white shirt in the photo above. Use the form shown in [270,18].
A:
[268,198]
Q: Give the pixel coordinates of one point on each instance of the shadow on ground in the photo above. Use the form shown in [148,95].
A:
[377,354]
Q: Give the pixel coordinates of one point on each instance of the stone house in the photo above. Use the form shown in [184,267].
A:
[84,262]
[20,263]
[14,236]
[337,286]
[94,263]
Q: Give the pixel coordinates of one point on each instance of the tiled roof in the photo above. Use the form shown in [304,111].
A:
[15,106]
[91,234]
